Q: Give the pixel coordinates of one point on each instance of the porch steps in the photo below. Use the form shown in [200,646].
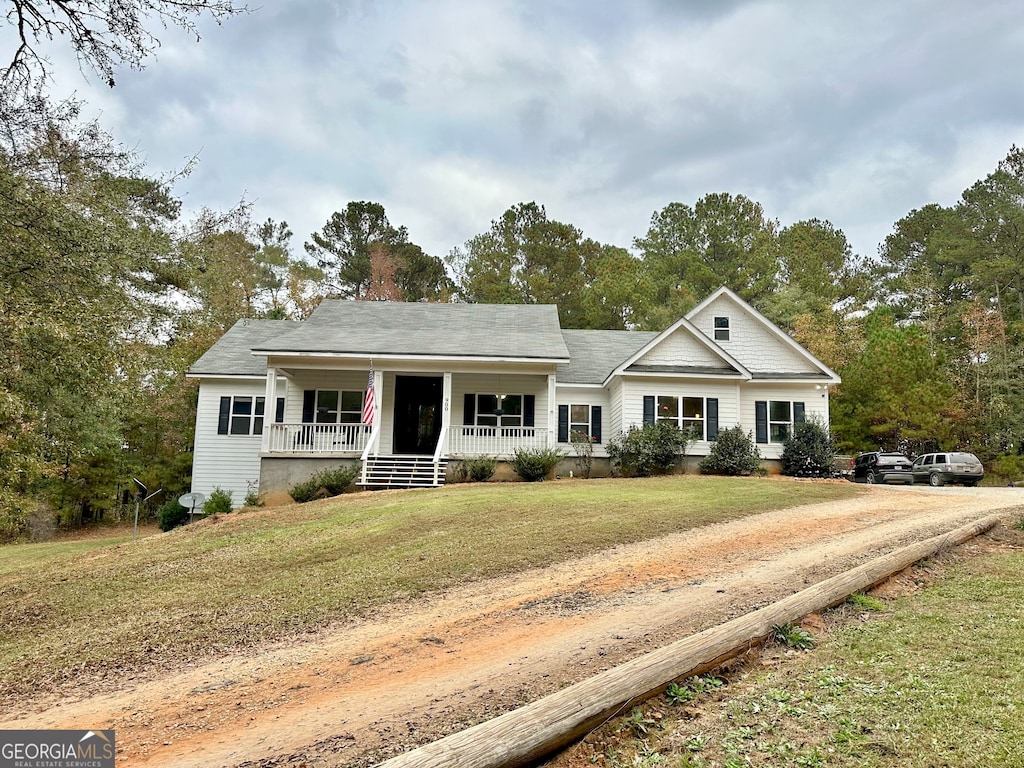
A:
[402,472]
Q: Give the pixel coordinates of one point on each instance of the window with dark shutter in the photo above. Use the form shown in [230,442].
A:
[224,420]
[563,423]
[648,409]
[529,404]
[798,413]
[712,414]
[761,421]
[595,423]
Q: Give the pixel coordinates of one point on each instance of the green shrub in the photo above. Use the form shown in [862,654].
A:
[171,514]
[219,502]
[808,451]
[480,469]
[732,453]
[324,484]
[649,450]
[533,465]
[1009,467]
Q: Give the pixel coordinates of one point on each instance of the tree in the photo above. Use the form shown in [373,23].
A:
[689,251]
[344,246]
[528,258]
[84,238]
[104,34]
[894,395]
[817,273]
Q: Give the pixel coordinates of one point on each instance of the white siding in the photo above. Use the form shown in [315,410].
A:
[815,407]
[587,396]
[729,412]
[750,342]
[614,419]
[681,348]
[507,383]
[228,462]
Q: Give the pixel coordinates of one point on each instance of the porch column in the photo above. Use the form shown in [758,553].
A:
[552,412]
[446,403]
[378,400]
[269,406]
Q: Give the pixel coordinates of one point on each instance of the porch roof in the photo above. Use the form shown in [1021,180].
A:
[369,328]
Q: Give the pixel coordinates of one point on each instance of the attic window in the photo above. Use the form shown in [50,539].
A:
[721,329]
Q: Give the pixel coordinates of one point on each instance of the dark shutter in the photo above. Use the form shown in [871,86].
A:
[648,409]
[798,413]
[279,411]
[563,423]
[469,410]
[761,421]
[308,406]
[595,423]
[225,416]
[712,414]
[528,406]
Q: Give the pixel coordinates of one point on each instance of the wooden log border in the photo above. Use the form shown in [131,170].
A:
[527,734]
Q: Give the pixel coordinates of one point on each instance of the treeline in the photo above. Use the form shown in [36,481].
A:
[107,297]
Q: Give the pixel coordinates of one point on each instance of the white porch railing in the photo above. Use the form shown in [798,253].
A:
[494,441]
[318,438]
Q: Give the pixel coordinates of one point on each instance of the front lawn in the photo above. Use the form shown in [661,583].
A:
[246,578]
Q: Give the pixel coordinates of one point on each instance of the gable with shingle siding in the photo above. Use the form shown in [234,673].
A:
[750,341]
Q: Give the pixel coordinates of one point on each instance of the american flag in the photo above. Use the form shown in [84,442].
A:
[368,404]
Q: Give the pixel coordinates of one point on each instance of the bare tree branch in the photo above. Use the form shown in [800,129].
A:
[105,34]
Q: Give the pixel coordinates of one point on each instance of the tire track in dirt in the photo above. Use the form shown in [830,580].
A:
[364,690]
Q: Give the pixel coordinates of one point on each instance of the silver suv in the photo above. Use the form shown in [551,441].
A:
[940,468]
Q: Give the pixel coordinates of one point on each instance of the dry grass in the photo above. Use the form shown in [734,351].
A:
[932,679]
[243,579]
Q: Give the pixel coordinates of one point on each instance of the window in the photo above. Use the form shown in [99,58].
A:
[241,415]
[721,329]
[699,414]
[780,420]
[334,406]
[579,420]
[775,419]
[579,417]
[693,415]
[668,409]
[499,410]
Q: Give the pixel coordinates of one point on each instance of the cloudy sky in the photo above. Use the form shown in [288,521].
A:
[448,112]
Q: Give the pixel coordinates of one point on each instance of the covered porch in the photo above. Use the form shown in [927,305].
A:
[418,420]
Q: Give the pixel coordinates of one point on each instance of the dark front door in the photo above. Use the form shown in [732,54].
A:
[417,414]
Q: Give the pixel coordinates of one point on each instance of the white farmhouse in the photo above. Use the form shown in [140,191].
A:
[279,400]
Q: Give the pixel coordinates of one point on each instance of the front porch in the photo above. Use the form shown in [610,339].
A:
[415,428]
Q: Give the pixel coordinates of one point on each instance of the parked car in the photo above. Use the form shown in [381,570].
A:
[880,467]
[952,467]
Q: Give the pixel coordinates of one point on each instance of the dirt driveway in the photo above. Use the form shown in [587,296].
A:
[362,691]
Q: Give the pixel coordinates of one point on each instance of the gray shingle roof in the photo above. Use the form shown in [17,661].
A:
[232,354]
[445,330]
[595,354]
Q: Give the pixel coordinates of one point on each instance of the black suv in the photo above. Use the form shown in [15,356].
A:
[951,467]
[879,467]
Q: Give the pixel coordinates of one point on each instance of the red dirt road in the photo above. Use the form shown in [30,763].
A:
[359,692]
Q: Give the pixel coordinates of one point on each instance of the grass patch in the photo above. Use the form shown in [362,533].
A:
[936,680]
[246,578]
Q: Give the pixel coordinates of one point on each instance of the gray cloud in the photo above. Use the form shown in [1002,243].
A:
[449,112]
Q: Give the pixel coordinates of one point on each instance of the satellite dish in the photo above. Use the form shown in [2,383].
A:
[191,500]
